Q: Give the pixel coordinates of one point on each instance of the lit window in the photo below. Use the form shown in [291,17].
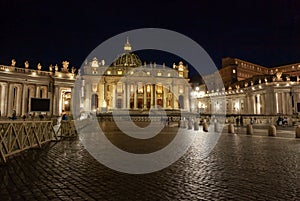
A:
[140,87]
[119,72]
[148,88]
[169,74]
[233,71]
[159,88]
[108,72]
[180,74]
[148,73]
[159,74]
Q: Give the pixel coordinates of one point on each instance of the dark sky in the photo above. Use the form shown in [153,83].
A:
[263,32]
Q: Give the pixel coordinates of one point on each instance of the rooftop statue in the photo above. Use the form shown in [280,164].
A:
[26,64]
[13,62]
[65,66]
[39,66]
[278,76]
[56,67]
[73,70]
[50,68]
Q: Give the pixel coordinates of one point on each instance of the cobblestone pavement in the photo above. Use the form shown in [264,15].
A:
[239,168]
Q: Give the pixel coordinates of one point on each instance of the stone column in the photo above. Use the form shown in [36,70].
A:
[4,99]
[254,104]
[258,104]
[24,99]
[128,95]
[276,103]
[187,99]
[18,100]
[135,97]
[164,97]
[113,96]
[101,95]
[145,97]
[175,96]
[151,96]
[37,92]
[56,101]
[262,103]
[155,96]
[124,99]
[87,96]
[10,92]
[289,103]
[245,105]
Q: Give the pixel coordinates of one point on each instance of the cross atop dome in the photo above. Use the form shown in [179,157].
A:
[127,46]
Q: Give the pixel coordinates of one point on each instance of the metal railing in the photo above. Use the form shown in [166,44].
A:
[17,136]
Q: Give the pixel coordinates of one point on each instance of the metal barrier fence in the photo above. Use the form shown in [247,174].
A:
[17,136]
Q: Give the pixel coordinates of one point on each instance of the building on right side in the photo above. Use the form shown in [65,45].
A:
[251,89]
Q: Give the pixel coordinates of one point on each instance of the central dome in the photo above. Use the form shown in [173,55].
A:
[127,59]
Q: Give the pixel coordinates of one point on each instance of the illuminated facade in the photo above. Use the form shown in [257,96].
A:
[125,84]
[18,85]
[129,84]
[252,89]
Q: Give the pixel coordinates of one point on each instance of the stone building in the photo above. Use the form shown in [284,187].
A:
[125,84]
[252,89]
[19,84]
[128,83]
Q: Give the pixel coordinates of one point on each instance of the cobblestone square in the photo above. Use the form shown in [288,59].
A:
[240,167]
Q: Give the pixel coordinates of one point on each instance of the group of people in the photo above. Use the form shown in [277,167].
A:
[239,121]
[282,121]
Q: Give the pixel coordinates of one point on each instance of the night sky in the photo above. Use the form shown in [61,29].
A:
[262,32]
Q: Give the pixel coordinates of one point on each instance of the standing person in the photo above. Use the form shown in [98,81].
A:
[241,121]
[65,117]
[237,120]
